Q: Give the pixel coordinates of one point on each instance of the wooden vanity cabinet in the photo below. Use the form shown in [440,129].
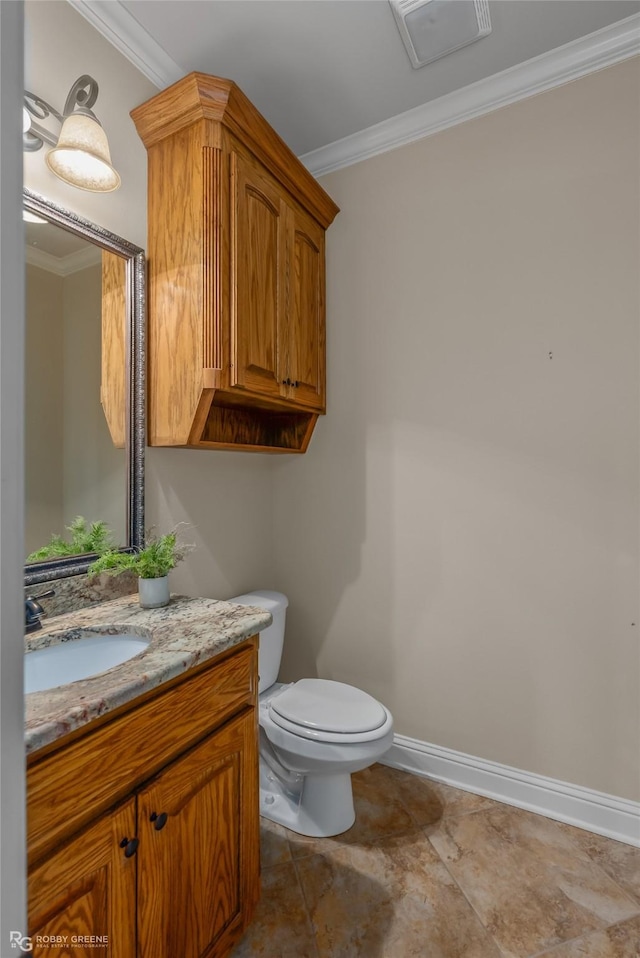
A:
[190,865]
[87,889]
[236,253]
[173,867]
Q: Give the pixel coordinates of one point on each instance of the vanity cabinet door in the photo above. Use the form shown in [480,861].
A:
[199,838]
[82,897]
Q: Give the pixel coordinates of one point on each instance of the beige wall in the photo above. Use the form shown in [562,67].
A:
[225,497]
[44,387]
[461,539]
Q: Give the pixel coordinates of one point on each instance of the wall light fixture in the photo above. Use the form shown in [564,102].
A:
[80,154]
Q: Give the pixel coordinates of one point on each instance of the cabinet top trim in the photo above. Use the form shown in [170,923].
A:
[197,97]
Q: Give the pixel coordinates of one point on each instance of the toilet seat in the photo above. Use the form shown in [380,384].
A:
[328,711]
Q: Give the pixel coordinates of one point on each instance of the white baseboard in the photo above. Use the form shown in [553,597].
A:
[585,808]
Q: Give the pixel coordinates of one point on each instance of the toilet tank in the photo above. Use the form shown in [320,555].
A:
[271,638]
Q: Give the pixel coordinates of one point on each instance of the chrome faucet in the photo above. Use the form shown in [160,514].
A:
[33,611]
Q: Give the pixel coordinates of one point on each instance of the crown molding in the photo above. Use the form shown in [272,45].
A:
[598,50]
[619,41]
[63,265]
[121,29]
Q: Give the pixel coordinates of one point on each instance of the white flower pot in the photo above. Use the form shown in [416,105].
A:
[153,593]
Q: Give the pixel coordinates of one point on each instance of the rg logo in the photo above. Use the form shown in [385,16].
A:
[18,940]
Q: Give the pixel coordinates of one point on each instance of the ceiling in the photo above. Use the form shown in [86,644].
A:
[54,249]
[321,70]
[52,239]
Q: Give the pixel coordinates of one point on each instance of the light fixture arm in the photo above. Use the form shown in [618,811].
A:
[37,135]
[82,95]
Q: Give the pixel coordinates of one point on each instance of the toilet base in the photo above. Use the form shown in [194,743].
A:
[322,807]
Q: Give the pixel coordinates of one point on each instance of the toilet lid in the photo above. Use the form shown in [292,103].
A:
[326,706]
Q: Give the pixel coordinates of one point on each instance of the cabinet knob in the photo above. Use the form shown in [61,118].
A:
[159,821]
[296,384]
[130,846]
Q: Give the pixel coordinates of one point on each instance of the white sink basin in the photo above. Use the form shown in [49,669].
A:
[79,658]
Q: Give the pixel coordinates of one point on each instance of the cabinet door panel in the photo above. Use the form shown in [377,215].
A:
[306,332]
[192,886]
[113,389]
[258,278]
[87,888]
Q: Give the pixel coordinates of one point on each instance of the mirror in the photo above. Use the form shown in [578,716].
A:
[85,394]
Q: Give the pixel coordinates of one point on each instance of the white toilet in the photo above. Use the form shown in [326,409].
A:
[313,734]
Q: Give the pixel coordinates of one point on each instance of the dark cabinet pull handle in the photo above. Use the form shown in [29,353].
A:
[159,821]
[284,382]
[296,384]
[130,846]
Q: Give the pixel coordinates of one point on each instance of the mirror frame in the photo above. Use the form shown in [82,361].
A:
[49,569]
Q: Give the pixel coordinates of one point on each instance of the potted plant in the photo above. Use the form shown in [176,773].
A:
[85,537]
[151,564]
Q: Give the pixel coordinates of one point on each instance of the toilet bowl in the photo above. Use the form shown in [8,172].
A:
[313,734]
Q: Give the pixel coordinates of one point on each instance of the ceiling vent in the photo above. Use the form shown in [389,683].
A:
[431,29]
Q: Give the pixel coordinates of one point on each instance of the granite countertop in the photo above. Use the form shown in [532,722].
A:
[185,633]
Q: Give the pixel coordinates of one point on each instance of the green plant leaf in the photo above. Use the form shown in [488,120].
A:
[94,538]
[158,557]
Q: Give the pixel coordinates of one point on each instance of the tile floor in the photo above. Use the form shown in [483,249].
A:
[432,871]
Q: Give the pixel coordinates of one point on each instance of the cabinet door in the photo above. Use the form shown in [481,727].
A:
[113,386]
[85,892]
[199,840]
[306,310]
[258,278]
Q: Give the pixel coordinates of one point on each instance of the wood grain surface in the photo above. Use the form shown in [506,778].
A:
[114,345]
[100,768]
[236,274]
[200,96]
[196,866]
[87,889]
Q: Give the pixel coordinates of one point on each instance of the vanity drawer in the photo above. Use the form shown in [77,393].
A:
[70,786]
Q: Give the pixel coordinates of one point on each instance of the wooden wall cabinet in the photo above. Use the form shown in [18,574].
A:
[236,274]
[172,868]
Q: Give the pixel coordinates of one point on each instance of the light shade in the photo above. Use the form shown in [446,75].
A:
[82,156]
